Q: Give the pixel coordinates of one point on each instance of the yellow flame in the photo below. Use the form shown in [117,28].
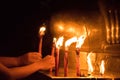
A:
[90,67]
[54,40]
[70,41]
[102,68]
[42,29]
[80,41]
[59,42]
[82,38]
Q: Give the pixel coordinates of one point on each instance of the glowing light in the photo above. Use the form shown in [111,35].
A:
[42,30]
[71,30]
[54,40]
[59,42]
[90,67]
[80,41]
[70,41]
[102,68]
[61,27]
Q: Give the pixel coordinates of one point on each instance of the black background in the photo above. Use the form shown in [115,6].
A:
[21,20]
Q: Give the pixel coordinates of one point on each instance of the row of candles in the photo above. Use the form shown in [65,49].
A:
[56,51]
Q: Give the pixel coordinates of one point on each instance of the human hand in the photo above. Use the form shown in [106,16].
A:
[47,62]
[29,58]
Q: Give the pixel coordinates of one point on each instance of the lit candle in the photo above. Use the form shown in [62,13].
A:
[79,43]
[41,33]
[53,51]
[102,68]
[67,44]
[58,45]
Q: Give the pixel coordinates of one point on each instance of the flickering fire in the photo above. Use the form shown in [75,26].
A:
[80,41]
[82,38]
[42,30]
[90,67]
[69,42]
[54,40]
[59,42]
[102,68]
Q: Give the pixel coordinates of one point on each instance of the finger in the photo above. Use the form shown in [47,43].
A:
[37,57]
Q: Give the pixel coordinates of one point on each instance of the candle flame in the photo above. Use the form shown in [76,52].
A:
[82,38]
[59,42]
[80,41]
[70,41]
[42,30]
[54,40]
[90,67]
[102,68]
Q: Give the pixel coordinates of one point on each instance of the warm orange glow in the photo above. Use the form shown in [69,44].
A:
[59,42]
[54,40]
[71,29]
[90,67]
[61,27]
[102,68]
[42,30]
[70,41]
[82,38]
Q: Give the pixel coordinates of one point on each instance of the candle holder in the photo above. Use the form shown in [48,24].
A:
[78,62]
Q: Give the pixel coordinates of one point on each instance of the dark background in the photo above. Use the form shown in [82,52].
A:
[21,20]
